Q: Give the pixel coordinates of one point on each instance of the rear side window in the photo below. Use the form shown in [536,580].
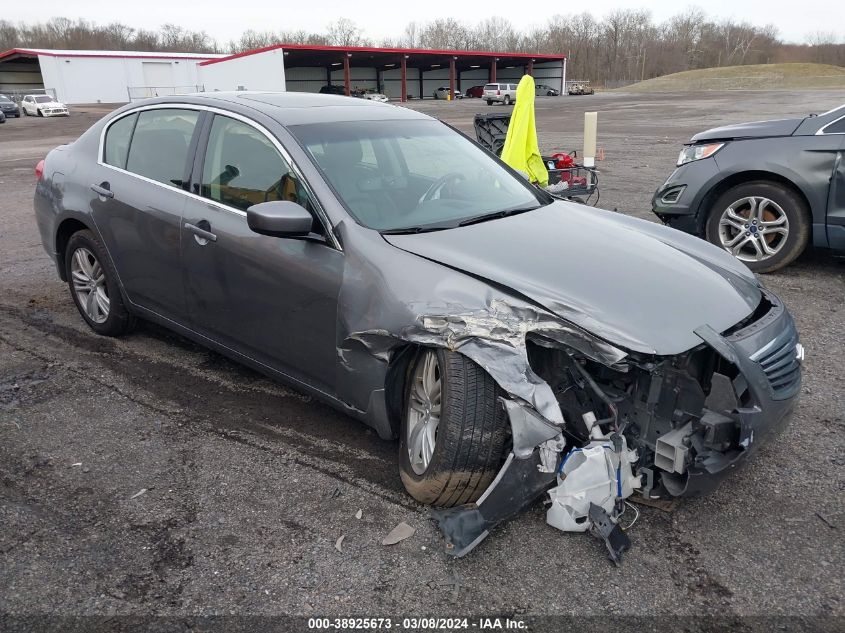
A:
[118,137]
[838,127]
[490,87]
[159,148]
[242,168]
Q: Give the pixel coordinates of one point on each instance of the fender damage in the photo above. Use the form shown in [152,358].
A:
[647,422]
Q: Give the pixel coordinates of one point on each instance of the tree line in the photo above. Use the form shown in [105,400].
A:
[625,45]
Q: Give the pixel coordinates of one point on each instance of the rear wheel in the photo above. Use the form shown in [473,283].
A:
[489,102]
[507,100]
[93,285]
[453,429]
[764,224]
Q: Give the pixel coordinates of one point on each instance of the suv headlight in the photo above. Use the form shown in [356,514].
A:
[697,152]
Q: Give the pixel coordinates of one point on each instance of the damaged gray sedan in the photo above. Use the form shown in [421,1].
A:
[374,257]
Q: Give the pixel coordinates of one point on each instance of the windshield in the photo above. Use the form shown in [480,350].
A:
[43,99]
[394,175]
[5,99]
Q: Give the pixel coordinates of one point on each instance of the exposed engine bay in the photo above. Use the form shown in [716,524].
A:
[655,428]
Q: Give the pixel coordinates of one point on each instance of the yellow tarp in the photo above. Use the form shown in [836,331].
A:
[521,150]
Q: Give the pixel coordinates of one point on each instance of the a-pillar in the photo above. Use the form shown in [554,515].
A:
[403,65]
[346,87]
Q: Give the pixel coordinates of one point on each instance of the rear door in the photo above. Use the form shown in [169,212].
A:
[138,193]
[272,299]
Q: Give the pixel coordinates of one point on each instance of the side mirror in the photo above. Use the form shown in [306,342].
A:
[279,218]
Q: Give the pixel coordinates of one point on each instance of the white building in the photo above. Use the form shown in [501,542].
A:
[100,76]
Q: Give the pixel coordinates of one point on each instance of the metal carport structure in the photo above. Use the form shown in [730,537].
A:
[408,68]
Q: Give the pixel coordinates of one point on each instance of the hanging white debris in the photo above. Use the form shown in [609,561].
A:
[592,474]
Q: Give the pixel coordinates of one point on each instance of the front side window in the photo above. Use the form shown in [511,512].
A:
[159,148]
[242,168]
[118,136]
[425,174]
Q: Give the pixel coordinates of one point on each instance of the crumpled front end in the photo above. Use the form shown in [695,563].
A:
[655,427]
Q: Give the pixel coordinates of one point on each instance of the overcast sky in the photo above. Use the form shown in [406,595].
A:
[226,19]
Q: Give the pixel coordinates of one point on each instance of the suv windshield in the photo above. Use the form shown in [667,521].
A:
[413,175]
[5,99]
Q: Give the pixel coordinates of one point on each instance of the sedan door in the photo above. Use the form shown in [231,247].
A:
[138,194]
[272,299]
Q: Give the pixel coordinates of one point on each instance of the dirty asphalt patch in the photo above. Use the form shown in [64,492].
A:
[249,484]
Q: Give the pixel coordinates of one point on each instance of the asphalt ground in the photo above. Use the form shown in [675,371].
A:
[249,484]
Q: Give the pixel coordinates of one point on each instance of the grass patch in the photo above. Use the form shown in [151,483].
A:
[755,77]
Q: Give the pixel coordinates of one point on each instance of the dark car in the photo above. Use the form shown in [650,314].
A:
[763,191]
[381,261]
[332,89]
[9,107]
[476,92]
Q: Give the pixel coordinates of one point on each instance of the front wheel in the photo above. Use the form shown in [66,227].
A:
[93,285]
[454,429]
[764,224]
[38,112]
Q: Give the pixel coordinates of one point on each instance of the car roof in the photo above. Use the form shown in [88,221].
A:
[298,108]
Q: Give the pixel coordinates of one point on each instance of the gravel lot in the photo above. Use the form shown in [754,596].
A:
[250,484]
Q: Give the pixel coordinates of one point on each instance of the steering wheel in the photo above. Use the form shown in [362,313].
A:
[434,190]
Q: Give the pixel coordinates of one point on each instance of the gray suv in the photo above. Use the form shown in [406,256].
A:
[499,93]
[763,191]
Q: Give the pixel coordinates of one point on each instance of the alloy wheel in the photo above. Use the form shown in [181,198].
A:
[89,284]
[753,229]
[424,409]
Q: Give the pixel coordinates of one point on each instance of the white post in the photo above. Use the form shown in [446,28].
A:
[590,133]
[563,79]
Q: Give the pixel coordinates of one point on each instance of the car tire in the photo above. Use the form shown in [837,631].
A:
[18,115]
[25,113]
[774,201]
[550,94]
[84,246]
[507,100]
[38,111]
[489,102]
[471,431]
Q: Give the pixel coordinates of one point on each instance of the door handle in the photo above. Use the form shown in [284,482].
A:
[103,190]
[201,233]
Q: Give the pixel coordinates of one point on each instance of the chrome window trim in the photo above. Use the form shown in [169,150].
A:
[822,132]
[318,207]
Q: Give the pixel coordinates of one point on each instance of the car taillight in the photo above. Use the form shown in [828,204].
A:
[498,93]
[39,170]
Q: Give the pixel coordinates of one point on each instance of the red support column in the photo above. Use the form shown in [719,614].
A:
[529,70]
[403,65]
[346,86]
[452,78]
[492,71]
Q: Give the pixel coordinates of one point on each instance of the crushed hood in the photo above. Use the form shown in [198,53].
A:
[755,129]
[635,284]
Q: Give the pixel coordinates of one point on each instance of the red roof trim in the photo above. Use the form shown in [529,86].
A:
[397,51]
[36,53]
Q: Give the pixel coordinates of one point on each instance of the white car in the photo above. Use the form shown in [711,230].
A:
[43,105]
[443,91]
[375,96]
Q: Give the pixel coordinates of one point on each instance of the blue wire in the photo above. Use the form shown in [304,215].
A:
[618,468]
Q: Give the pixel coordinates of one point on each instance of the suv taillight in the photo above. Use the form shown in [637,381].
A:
[39,169]
[498,93]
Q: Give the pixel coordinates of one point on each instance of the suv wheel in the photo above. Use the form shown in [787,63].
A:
[489,102]
[507,100]
[453,429]
[763,224]
[93,285]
